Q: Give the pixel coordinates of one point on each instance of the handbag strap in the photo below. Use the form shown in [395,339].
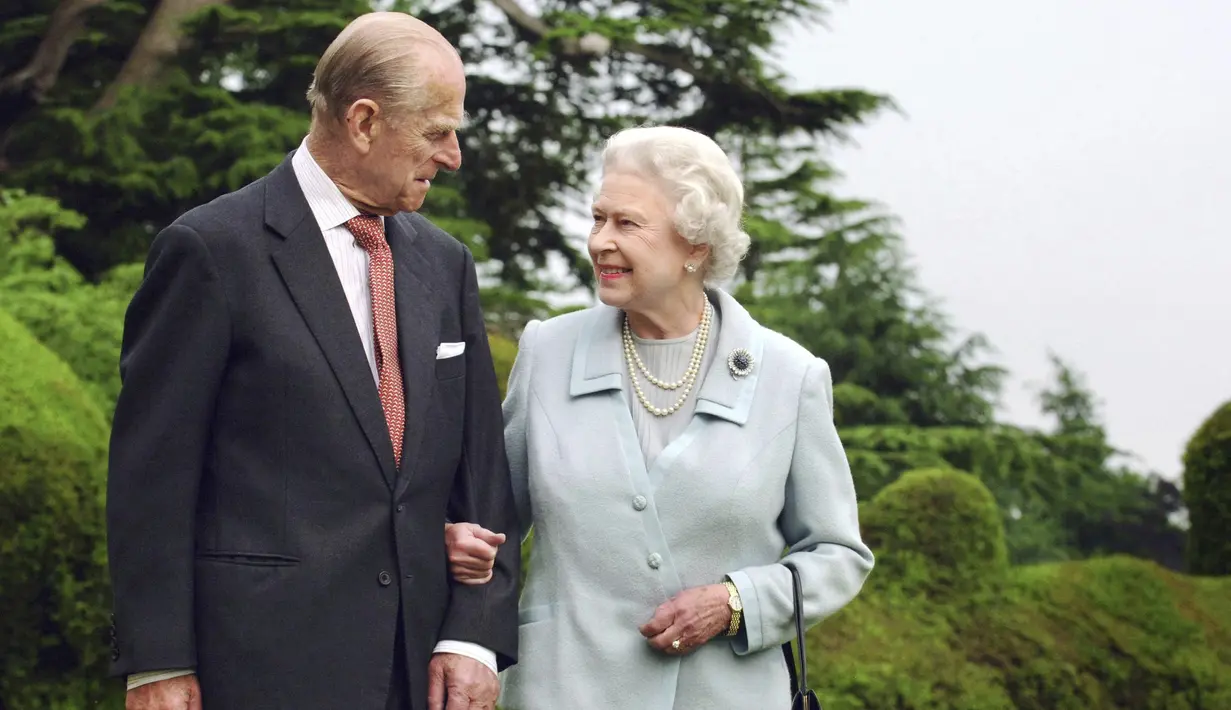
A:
[799,680]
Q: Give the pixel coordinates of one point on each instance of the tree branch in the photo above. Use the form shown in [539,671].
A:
[595,45]
[160,40]
[26,88]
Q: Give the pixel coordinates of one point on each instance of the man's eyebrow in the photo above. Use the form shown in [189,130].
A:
[450,125]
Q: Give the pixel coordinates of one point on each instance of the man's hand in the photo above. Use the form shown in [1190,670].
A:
[468,684]
[693,617]
[472,551]
[181,693]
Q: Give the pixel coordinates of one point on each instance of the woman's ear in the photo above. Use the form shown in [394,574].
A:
[699,253]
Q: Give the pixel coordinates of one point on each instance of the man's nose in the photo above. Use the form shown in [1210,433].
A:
[450,158]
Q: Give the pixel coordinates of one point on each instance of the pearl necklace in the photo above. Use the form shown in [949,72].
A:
[690,375]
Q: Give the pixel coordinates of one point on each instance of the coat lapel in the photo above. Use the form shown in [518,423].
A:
[598,359]
[309,274]
[418,330]
[599,366]
[722,394]
[598,354]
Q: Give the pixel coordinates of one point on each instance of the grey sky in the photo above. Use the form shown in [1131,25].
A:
[1062,174]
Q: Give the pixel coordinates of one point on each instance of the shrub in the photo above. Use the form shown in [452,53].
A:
[79,321]
[53,597]
[1106,634]
[84,326]
[936,530]
[1207,493]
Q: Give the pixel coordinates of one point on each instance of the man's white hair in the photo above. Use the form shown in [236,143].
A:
[699,177]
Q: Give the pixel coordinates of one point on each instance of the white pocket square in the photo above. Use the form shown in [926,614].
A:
[447,350]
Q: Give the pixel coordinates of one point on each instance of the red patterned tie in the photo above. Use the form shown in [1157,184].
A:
[369,231]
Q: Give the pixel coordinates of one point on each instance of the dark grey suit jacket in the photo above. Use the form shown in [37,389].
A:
[258,530]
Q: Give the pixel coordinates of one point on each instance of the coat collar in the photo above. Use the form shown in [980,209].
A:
[598,358]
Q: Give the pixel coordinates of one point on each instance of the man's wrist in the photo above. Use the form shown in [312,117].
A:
[470,650]
[136,680]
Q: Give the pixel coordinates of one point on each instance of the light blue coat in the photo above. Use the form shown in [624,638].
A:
[757,470]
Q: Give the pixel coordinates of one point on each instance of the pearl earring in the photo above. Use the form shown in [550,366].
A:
[690,267]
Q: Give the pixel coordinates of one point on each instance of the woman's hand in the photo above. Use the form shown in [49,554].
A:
[693,616]
[472,551]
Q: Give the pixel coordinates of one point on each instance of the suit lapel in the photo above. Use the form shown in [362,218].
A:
[309,274]
[418,329]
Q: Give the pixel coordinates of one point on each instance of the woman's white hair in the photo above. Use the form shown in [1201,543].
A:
[709,197]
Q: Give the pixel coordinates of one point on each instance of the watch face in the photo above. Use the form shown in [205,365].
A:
[736,604]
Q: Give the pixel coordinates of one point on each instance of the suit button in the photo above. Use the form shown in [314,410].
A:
[384,579]
[639,503]
[401,507]
[655,560]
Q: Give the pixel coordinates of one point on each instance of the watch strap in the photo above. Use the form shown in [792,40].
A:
[736,614]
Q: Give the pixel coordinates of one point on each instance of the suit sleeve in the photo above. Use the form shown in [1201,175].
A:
[485,614]
[174,352]
[820,523]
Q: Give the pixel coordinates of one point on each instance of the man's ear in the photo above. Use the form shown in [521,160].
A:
[361,124]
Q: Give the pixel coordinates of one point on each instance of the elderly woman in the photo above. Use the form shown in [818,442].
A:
[666,449]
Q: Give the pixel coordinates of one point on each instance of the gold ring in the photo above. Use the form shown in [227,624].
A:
[675,644]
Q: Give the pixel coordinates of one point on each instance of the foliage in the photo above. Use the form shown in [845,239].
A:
[936,531]
[504,352]
[52,553]
[1207,491]
[1109,633]
[81,322]
[1058,494]
[1119,510]
[231,102]
[832,274]
[854,405]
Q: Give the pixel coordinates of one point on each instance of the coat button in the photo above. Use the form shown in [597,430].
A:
[639,503]
[401,507]
[384,579]
[655,560]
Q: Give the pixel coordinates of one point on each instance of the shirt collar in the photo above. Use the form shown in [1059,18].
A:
[329,206]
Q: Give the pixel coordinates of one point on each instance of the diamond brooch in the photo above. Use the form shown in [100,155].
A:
[740,363]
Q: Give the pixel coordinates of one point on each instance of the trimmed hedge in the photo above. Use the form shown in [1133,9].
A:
[936,531]
[84,327]
[1207,494]
[1116,632]
[53,586]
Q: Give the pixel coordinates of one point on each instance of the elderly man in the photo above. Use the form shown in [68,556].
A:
[308,396]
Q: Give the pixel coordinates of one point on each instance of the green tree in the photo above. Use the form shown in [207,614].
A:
[225,100]
[1207,491]
[832,274]
[1105,508]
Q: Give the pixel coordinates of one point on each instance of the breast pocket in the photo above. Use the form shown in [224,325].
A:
[448,368]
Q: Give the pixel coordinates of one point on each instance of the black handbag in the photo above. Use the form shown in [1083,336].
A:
[802,697]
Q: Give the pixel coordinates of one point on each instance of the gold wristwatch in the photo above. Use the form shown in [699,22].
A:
[736,606]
